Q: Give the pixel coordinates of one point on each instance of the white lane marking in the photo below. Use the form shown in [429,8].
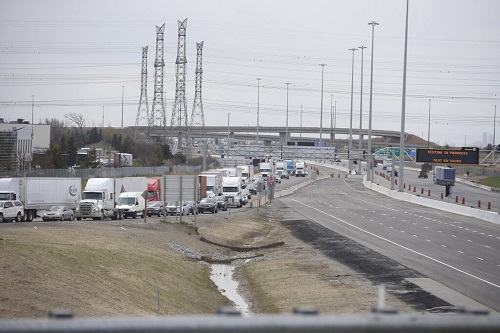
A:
[479,258]
[460,252]
[415,236]
[401,246]
[469,241]
[453,236]
[443,245]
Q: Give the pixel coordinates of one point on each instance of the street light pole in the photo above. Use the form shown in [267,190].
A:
[494,131]
[286,134]
[429,129]
[331,120]
[402,138]
[370,161]
[321,116]
[361,111]
[258,107]
[32,107]
[123,89]
[350,123]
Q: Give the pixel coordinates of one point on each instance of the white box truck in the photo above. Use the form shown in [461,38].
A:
[231,190]
[131,204]
[246,173]
[210,183]
[40,193]
[100,197]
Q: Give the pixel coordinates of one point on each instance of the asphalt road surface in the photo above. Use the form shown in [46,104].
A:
[459,252]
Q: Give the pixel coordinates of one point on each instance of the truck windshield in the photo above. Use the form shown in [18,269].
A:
[4,196]
[230,189]
[92,195]
[126,201]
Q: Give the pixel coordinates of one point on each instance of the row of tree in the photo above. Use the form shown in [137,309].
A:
[65,142]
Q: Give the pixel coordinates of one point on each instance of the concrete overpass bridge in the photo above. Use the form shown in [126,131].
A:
[269,134]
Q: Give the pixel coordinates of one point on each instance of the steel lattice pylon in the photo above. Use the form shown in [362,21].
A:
[143,109]
[158,117]
[197,116]
[179,113]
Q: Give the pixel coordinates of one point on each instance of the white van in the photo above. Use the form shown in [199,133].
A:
[131,204]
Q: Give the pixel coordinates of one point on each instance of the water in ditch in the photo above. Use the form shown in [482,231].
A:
[222,275]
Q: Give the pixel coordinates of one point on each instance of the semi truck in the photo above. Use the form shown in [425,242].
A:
[154,189]
[246,173]
[444,176]
[231,190]
[265,169]
[40,193]
[300,169]
[281,169]
[289,166]
[100,197]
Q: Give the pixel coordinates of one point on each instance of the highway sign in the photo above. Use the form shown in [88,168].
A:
[465,155]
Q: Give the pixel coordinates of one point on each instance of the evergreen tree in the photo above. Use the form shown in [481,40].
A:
[128,145]
[167,153]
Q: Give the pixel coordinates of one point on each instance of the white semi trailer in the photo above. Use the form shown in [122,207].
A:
[40,193]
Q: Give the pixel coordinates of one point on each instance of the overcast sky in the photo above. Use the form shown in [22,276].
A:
[75,56]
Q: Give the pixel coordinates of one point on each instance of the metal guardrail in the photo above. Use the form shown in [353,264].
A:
[230,321]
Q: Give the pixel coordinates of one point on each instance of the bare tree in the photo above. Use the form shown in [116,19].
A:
[56,129]
[77,118]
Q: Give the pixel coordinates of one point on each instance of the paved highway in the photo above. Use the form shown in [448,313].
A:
[459,252]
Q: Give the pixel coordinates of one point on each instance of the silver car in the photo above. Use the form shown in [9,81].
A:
[58,213]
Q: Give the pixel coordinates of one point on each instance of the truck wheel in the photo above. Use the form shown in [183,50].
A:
[30,216]
[62,218]
[102,216]
[72,217]
[78,218]
[18,217]
[134,216]
[1,217]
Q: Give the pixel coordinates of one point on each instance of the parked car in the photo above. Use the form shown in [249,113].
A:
[191,205]
[174,208]
[155,208]
[221,202]
[11,210]
[58,213]
[207,205]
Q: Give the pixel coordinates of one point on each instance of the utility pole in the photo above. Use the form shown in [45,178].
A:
[361,111]
[370,164]
[429,127]
[321,116]
[301,121]
[352,97]
[32,107]
[258,107]
[123,90]
[286,134]
[402,138]
[103,116]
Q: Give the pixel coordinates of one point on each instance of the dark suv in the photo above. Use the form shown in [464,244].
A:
[221,202]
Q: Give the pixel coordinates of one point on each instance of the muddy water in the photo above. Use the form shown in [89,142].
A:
[222,275]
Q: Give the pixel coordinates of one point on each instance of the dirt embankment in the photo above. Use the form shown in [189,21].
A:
[115,268]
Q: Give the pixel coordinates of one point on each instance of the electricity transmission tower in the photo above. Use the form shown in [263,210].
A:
[158,117]
[179,113]
[197,116]
[143,109]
